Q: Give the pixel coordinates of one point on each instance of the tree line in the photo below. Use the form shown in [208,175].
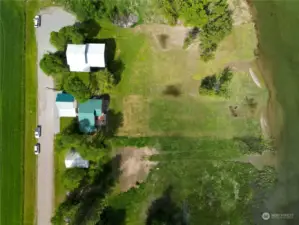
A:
[212,18]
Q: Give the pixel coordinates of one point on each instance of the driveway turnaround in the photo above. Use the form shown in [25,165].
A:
[52,19]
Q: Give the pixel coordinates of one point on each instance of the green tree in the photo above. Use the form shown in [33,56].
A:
[53,63]
[76,87]
[72,178]
[101,82]
[66,35]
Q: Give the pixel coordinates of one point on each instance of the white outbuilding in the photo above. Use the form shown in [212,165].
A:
[66,105]
[82,57]
[73,159]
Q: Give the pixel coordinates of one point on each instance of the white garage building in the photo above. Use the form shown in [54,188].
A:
[81,58]
[66,105]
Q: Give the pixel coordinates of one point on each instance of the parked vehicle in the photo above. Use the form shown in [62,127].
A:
[37,21]
[38,131]
[37,148]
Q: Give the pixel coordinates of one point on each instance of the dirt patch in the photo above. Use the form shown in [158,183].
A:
[259,161]
[135,121]
[172,36]
[135,166]
[241,11]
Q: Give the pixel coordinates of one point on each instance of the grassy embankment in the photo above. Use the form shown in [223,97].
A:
[12,111]
[278,34]
[158,98]
[30,113]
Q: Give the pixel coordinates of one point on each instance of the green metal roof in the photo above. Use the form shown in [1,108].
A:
[86,122]
[63,97]
[90,106]
[87,112]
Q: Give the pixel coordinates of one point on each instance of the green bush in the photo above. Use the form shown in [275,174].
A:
[53,63]
[101,82]
[66,35]
[73,177]
[217,84]
[76,87]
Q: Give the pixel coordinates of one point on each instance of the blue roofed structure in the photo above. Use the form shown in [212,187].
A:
[88,114]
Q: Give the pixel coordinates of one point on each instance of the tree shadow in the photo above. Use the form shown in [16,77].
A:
[209,82]
[93,195]
[111,216]
[251,144]
[90,28]
[116,67]
[163,39]
[165,211]
[173,90]
[114,122]
[72,128]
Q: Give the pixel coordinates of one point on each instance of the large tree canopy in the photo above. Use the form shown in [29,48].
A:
[72,178]
[66,35]
[53,63]
[101,82]
[76,87]
[212,17]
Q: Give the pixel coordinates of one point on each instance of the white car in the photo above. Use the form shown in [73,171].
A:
[37,21]
[37,148]
[38,132]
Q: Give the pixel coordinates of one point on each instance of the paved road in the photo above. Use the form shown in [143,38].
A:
[52,19]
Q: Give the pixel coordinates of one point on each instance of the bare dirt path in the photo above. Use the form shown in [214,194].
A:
[52,19]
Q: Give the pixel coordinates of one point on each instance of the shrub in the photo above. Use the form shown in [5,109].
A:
[76,87]
[53,63]
[66,35]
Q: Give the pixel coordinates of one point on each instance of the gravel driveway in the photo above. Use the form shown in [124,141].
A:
[52,19]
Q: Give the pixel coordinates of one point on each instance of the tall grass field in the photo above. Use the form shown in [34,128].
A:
[11,111]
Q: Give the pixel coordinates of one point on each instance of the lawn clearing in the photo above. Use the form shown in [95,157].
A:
[12,90]
[197,137]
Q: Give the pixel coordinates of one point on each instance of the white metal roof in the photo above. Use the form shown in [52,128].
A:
[66,109]
[80,68]
[75,57]
[73,159]
[81,57]
[96,55]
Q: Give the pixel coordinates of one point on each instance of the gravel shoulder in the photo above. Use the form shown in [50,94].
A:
[52,19]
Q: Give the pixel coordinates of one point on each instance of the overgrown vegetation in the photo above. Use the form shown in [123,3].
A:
[213,18]
[217,84]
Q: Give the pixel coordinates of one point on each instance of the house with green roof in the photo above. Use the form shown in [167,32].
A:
[90,115]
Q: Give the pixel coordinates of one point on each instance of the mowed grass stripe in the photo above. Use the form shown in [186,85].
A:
[12,112]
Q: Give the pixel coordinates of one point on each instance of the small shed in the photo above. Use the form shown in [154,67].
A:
[73,159]
[66,106]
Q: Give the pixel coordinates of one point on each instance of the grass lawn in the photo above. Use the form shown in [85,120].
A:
[12,111]
[30,115]
[195,135]
[277,25]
